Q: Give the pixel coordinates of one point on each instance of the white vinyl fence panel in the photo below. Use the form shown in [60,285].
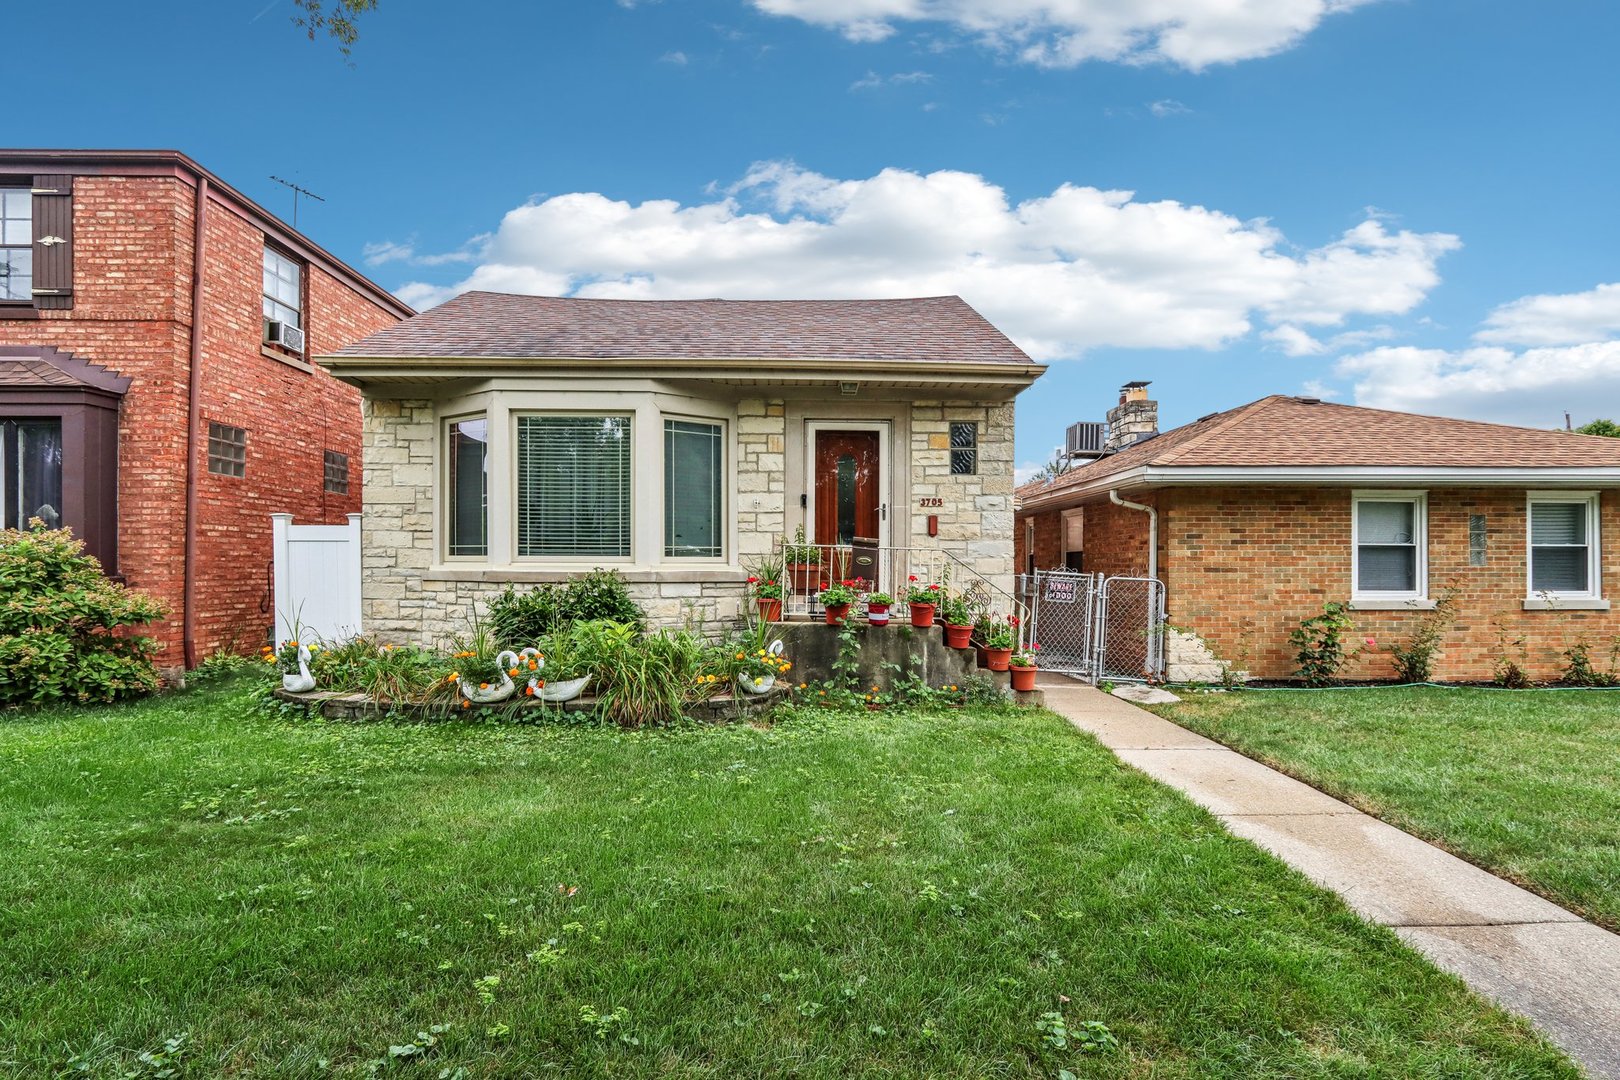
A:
[317,579]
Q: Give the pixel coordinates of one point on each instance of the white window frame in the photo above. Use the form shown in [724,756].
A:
[728,482]
[1592,596]
[445,510]
[1369,600]
[638,484]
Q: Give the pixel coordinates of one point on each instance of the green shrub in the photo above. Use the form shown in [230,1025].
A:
[1319,645]
[521,619]
[1414,661]
[62,624]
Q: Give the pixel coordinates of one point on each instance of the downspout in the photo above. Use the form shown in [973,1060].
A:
[1153,528]
[188,618]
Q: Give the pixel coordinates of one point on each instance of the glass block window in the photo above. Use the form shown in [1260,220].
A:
[283,288]
[694,478]
[467,468]
[1562,549]
[227,450]
[1389,541]
[1476,539]
[964,448]
[16,244]
[573,481]
[336,468]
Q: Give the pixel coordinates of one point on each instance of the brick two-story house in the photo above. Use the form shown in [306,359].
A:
[156,391]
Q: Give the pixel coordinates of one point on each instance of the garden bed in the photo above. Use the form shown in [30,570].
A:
[336,705]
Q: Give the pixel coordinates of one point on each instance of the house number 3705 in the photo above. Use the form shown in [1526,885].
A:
[930,503]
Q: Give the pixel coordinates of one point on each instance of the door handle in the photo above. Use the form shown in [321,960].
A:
[883,511]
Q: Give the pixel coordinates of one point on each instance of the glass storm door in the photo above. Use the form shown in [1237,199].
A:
[31,464]
[848,484]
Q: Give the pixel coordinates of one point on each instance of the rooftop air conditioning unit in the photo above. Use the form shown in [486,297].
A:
[1085,440]
[286,335]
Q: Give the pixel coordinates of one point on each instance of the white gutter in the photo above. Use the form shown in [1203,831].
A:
[1154,476]
[1153,529]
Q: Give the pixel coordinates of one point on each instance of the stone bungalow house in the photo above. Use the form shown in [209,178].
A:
[156,389]
[524,439]
[1256,516]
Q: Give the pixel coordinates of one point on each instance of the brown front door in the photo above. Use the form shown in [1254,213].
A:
[848,487]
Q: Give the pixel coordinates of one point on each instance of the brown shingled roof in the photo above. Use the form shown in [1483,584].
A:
[1294,432]
[483,324]
[40,367]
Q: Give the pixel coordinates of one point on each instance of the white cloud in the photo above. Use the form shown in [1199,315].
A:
[389,251]
[1296,342]
[1566,359]
[1063,272]
[873,81]
[678,58]
[1168,107]
[1558,319]
[1062,33]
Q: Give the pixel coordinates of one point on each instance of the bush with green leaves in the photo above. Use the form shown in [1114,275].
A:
[64,625]
[521,619]
[1319,644]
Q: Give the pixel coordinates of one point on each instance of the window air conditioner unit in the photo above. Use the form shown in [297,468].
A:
[1085,440]
[286,335]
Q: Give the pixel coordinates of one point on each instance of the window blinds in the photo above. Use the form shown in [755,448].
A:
[573,486]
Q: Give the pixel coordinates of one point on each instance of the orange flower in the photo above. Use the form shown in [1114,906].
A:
[466,704]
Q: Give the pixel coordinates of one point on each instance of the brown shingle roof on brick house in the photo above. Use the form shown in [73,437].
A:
[937,329]
[1291,438]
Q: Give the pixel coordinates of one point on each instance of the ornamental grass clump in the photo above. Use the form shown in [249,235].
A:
[64,625]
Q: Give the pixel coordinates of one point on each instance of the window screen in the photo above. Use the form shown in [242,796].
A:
[227,450]
[336,469]
[468,531]
[1386,547]
[1560,560]
[574,486]
[694,471]
[964,448]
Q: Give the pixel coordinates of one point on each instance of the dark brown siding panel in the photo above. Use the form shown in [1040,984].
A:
[53,241]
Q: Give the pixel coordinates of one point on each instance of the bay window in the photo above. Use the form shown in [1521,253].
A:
[1562,540]
[573,487]
[1389,535]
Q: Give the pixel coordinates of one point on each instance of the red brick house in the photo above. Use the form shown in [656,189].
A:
[1255,517]
[156,390]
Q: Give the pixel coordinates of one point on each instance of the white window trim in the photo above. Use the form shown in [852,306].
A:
[728,482]
[441,501]
[1389,600]
[1546,600]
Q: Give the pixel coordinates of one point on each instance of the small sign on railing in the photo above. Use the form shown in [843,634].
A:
[1060,591]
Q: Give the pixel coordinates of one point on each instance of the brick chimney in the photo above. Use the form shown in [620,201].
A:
[1135,417]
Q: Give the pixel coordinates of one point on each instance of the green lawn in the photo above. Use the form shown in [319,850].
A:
[1524,783]
[872,894]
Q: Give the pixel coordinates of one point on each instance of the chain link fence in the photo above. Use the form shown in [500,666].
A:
[1096,627]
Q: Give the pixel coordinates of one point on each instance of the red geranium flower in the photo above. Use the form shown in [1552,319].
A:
[753,580]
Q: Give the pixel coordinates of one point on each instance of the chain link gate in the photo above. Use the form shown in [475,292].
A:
[1096,627]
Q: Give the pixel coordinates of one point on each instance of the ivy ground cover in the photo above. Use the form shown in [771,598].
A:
[1525,783]
[955,893]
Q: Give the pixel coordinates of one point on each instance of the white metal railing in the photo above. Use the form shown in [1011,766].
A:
[886,569]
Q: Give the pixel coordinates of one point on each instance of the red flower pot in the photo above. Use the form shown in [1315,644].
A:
[922,615]
[1023,678]
[983,657]
[877,614]
[806,577]
[837,613]
[770,610]
[958,637]
[1000,659]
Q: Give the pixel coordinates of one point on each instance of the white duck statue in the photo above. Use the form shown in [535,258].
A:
[507,662]
[764,683]
[555,692]
[303,682]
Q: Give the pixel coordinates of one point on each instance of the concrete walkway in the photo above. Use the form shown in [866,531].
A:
[1530,955]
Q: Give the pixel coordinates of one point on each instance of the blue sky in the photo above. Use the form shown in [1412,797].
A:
[1405,203]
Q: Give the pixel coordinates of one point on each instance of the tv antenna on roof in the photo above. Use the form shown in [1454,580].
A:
[297,191]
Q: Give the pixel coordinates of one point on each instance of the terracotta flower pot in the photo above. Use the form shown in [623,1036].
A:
[983,656]
[770,610]
[877,614]
[958,637]
[806,577]
[1023,678]
[922,615]
[837,613]
[1000,659]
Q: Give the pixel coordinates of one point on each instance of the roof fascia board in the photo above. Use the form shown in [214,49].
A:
[707,367]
